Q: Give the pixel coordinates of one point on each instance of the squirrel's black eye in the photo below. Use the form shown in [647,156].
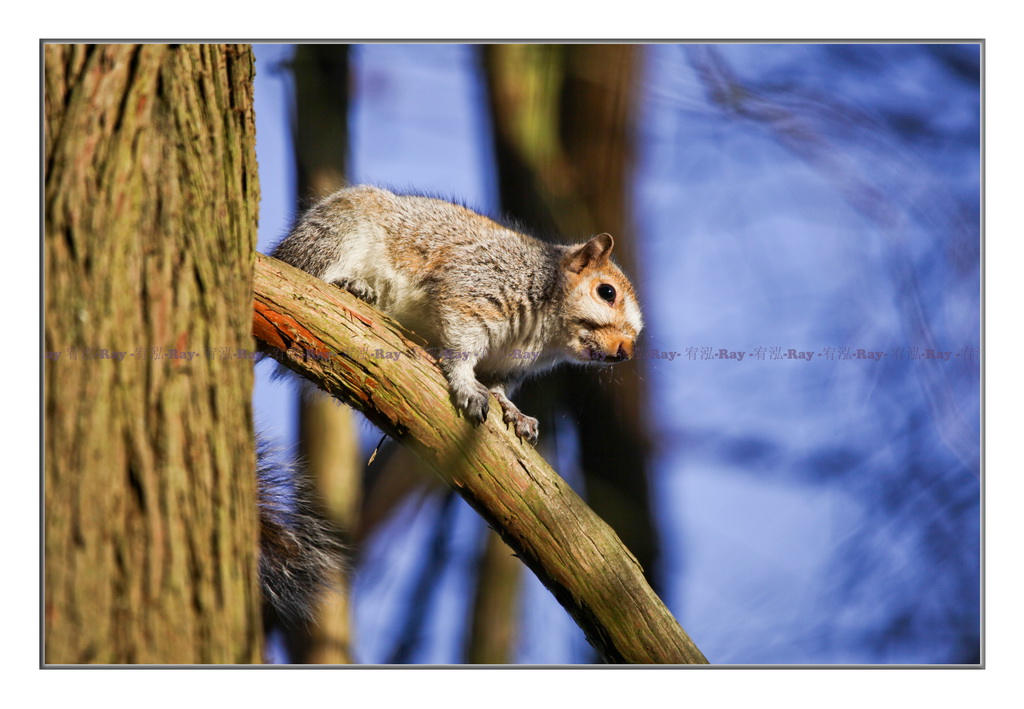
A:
[606,292]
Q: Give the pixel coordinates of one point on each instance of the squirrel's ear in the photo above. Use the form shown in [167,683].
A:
[592,254]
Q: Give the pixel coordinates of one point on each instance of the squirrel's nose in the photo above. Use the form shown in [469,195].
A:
[624,352]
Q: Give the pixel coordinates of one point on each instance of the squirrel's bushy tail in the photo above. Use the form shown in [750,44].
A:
[300,553]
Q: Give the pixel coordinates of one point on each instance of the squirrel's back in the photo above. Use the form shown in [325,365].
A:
[411,255]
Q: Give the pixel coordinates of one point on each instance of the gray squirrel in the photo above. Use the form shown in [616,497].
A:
[472,287]
[467,285]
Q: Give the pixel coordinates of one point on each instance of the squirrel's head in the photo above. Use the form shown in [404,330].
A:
[602,315]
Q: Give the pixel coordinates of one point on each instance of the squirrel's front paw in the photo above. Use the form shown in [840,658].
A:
[360,289]
[525,426]
[472,401]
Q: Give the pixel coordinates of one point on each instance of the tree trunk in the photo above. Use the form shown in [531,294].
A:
[151,198]
[564,140]
[492,630]
[328,442]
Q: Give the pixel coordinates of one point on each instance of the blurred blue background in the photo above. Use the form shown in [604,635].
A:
[813,198]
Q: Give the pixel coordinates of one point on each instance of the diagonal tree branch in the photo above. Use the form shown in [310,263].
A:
[362,357]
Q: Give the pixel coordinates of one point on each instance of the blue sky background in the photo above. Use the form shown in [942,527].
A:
[810,512]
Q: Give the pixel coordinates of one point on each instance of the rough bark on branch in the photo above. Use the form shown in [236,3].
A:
[361,356]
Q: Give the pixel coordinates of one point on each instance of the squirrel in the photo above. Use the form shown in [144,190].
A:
[300,551]
[496,304]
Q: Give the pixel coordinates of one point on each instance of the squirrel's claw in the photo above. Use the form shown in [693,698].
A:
[472,403]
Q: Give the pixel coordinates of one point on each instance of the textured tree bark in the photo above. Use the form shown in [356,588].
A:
[362,357]
[151,198]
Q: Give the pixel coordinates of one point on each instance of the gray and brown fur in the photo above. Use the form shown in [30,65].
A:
[471,286]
